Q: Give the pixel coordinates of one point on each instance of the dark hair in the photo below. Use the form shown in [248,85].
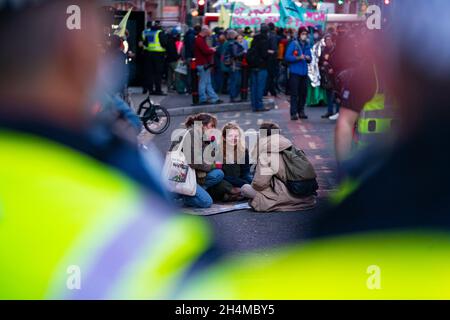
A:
[271,26]
[264,28]
[280,31]
[270,127]
[328,36]
[149,24]
[302,29]
[204,118]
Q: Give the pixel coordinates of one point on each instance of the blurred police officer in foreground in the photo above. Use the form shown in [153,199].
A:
[389,236]
[73,224]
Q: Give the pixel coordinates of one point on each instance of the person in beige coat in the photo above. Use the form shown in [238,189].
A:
[268,191]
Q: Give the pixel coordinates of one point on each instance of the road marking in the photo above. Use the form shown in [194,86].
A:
[307,136]
[312,145]
[319,158]
[260,122]
[303,129]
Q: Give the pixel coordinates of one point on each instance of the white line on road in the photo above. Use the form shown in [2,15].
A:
[312,145]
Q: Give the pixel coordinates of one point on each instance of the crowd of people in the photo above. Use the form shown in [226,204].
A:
[305,64]
[79,198]
[313,64]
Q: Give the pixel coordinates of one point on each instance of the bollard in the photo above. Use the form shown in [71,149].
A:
[244,79]
[194,83]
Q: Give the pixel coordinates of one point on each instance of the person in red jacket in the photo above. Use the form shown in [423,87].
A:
[204,58]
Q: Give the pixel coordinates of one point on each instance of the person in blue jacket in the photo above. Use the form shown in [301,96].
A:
[298,55]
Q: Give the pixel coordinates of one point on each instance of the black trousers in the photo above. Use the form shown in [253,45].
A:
[272,74]
[298,86]
[153,70]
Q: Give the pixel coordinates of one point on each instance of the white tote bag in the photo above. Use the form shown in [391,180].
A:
[181,68]
[178,176]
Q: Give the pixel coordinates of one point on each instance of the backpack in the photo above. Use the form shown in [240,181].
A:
[300,173]
[227,55]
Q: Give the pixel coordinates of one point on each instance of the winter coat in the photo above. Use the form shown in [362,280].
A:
[295,49]
[204,55]
[269,181]
[238,174]
[261,44]
[201,168]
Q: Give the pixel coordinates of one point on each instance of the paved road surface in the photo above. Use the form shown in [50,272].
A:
[243,230]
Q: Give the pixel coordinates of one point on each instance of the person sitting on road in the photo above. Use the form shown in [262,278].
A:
[268,191]
[201,126]
[236,158]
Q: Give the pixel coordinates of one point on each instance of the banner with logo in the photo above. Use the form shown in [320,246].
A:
[284,14]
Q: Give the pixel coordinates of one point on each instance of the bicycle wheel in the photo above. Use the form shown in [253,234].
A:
[156,120]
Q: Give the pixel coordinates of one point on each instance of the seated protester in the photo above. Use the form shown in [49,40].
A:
[268,191]
[208,174]
[236,174]
[236,158]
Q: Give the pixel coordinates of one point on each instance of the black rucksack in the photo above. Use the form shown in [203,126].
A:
[300,173]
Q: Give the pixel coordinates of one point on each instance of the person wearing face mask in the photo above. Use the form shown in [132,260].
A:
[327,75]
[298,55]
[316,94]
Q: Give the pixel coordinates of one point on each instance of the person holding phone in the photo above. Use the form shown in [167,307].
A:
[298,55]
[204,58]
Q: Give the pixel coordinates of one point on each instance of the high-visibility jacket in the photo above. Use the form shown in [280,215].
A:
[375,119]
[249,40]
[380,265]
[74,228]
[153,41]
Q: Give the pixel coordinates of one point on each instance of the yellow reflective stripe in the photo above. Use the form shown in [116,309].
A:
[155,46]
[249,41]
[344,190]
[374,125]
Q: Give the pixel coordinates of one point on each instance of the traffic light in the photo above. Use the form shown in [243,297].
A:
[201,7]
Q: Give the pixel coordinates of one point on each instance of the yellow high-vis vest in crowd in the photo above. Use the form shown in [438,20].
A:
[249,40]
[153,42]
[72,227]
